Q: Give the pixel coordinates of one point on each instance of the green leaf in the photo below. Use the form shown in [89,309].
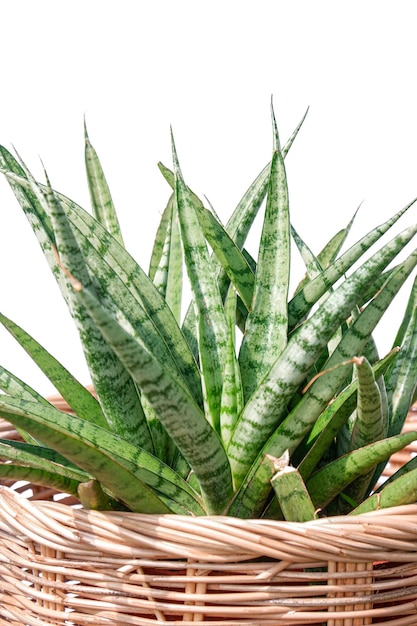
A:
[168,175]
[329,481]
[134,296]
[41,458]
[159,243]
[101,200]
[369,425]
[369,293]
[402,490]
[267,320]
[242,218]
[409,311]
[231,258]
[166,261]
[76,395]
[325,258]
[402,378]
[311,262]
[238,226]
[118,395]
[10,384]
[333,247]
[212,328]
[34,211]
[101,251]
[10,471]
[114,387]
[232,392]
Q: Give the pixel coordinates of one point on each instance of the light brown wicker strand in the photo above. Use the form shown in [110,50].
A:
[363,567]
[353,586]
[190,589]
[134,569]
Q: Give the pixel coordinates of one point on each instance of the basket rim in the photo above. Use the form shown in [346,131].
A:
[386,533]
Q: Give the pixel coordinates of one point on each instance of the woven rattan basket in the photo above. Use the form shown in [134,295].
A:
[60,564]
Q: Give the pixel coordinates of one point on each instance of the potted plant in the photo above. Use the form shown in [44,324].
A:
[226,467]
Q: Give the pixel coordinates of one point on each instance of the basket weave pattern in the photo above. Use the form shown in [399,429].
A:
[63,565]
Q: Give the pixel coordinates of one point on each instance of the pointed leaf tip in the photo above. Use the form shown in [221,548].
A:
[47,180]
[177,169]
[86,138]
[277,142]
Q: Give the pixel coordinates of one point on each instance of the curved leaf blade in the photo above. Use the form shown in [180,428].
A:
[330,480]
[133,475]
[78,397]
[40,466]
[402,490]
[166,260]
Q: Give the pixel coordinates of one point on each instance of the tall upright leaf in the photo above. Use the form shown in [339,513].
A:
[239,224]
[212,328]
[267,323]
[232,392]
[101,200]
[166,261]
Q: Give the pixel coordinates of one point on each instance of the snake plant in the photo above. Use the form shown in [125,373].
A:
[252,402]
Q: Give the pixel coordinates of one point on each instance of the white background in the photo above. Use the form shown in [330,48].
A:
[209,69]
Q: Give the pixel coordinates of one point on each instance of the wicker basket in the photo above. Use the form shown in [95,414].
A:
[63,565]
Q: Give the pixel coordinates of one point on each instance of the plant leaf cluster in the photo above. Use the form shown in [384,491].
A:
[253,402]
